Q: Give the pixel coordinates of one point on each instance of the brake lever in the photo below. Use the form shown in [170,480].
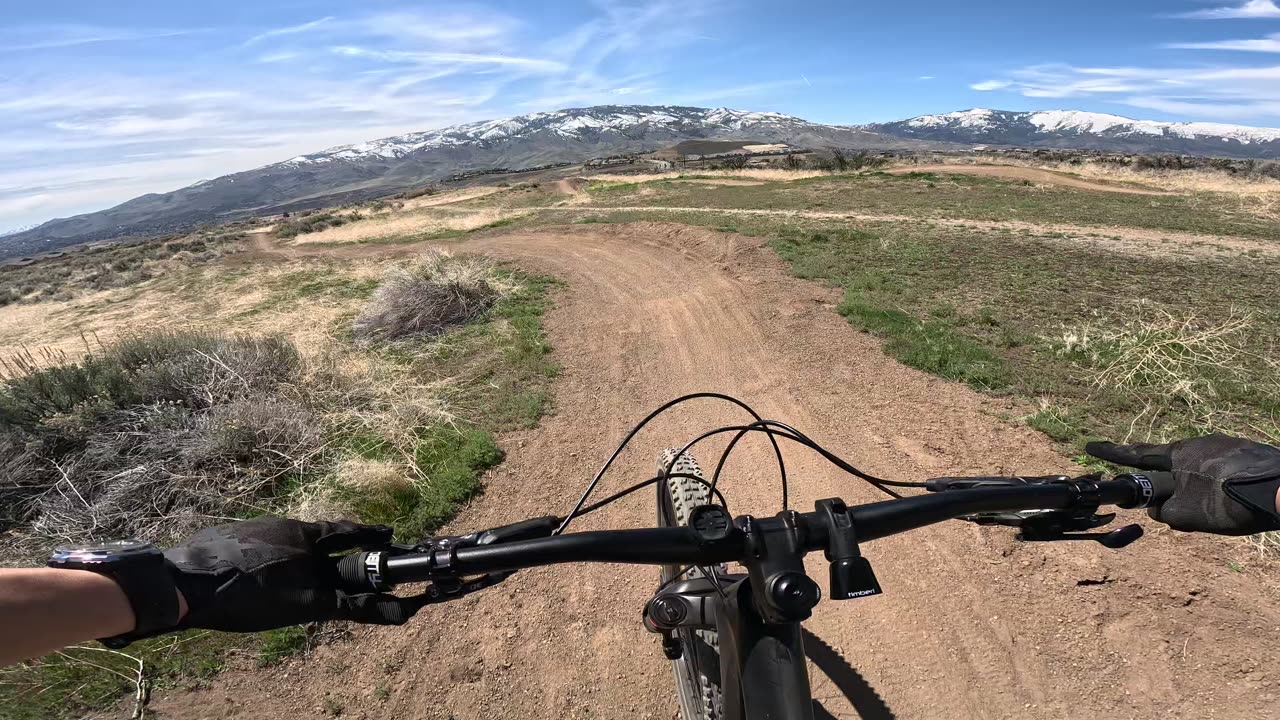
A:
[943,484]
[1057,525]
[1051,525]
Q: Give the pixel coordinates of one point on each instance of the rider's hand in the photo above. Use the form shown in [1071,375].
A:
[268,572]
[1223,485]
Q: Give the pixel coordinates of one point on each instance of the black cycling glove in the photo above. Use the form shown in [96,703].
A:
[269,572]
[1223,484]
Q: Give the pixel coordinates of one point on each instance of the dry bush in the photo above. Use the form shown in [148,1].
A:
[353,476]
[1184,372]
[313,222]
[426,298]
[366,474]
[368,396]
[840,159]
[1266,544]
[424,191]
[154,436]
[1153,350]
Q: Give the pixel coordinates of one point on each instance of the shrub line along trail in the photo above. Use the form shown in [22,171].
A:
[972,624]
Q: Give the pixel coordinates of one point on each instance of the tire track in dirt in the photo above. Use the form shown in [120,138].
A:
[972,624]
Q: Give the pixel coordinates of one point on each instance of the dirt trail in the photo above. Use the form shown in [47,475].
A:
[972,625]
[1036,175]
[1135,241]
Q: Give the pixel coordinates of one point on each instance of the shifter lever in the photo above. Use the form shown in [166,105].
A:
[1116,539]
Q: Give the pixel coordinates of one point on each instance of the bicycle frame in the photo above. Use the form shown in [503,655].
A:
[763,672]
[768,677]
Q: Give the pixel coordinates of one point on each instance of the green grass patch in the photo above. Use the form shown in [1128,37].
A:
[451,460]
[317,283]
[1037,318]
[1058,424]
[498,370]
[82,680]
[933,346]
[280,644]
[928,195]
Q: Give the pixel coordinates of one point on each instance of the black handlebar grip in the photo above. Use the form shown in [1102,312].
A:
[353,574]
[1153,488]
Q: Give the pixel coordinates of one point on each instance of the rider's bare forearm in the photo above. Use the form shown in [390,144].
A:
[43,609]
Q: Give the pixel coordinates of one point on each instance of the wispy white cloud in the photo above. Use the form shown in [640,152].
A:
[47,37]
[127,125]
[926,77]
[1269,44]
[447,58]
[278,57]
[290,30]
[156,125]
[1250,9]
[1222,92]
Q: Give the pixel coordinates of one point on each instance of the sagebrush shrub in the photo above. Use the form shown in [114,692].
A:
[436,293]
[153,435]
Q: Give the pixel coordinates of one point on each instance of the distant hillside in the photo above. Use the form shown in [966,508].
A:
[380,167]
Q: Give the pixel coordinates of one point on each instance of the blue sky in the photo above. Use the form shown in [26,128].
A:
[103,101]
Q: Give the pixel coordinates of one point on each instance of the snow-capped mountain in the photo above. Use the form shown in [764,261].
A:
[15,231]
[592,125]
[1087,130]
[382,167]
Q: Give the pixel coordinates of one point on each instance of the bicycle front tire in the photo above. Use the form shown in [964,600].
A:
[697,670]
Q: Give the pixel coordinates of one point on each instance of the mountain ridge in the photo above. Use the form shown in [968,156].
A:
[1087,130]
[384,166]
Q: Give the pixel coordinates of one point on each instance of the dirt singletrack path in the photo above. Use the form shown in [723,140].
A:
[971,625]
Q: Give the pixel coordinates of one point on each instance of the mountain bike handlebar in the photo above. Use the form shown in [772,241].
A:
[687,546]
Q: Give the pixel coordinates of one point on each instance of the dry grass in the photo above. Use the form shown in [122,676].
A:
[434,294]
[450,197]
[1180,181]
[353,475]
[211,296]
[1178,357]
[1265,544]
[401,224]
[1171,361]
[1177,181]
